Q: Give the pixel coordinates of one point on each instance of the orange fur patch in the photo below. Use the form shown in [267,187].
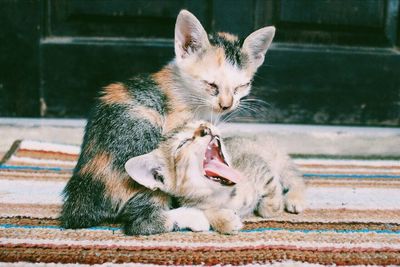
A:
[220,55]
[179,112]
[228,36]
[98,165]
[116,93]
[155,118]
[119,186]
[179,116]
[164,77]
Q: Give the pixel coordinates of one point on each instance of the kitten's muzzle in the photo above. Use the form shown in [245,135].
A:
[215,166]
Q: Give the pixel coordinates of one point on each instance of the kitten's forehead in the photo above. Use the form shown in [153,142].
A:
[189,129]
[232,47]
[192,127]
[223,62]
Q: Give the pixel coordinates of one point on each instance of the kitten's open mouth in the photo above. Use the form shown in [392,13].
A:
[215,166]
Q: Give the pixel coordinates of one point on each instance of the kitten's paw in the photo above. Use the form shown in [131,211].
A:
[225,221]
[199,223]
[295,201]
[188,218]
[270,207]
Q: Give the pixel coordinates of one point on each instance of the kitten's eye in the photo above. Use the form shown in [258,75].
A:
[183,142]
[241,87]
[212,87]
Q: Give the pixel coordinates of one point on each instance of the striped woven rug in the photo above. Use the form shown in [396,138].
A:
[353,218]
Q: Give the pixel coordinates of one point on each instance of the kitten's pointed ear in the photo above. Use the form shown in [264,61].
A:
[146,170]
[190,36]
[257,44]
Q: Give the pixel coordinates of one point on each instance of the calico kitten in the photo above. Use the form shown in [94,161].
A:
[209,76]
[194,165]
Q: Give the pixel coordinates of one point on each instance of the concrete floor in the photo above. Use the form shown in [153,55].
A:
[335,140]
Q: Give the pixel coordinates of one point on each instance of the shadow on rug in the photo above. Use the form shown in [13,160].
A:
[353,219]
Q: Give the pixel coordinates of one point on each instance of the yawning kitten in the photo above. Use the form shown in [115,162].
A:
[194,165]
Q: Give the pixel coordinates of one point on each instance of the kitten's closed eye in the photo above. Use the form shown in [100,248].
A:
[183,143]
[243,86]
[212,87]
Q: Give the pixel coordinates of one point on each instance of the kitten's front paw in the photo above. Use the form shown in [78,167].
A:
[295,201]
[224,221]
[199,223]
[188,218]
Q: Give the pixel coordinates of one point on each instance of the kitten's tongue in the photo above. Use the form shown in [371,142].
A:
[215,168]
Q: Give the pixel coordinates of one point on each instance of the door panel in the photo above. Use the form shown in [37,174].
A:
[118,18]
[366,13]
[335,87]
[236,17]
[19,58]
[355,22]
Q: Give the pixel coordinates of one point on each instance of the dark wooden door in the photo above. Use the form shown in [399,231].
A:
[332,62]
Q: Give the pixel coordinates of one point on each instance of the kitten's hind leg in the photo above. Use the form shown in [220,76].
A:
[143,214]
[85,203]
[271,203]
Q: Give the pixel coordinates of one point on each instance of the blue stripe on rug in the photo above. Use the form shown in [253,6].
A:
[323,231]
[34,168]
[106,228]
[327,175]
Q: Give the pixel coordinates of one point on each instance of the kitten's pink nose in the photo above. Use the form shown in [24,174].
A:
[226,102]
[223,107]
